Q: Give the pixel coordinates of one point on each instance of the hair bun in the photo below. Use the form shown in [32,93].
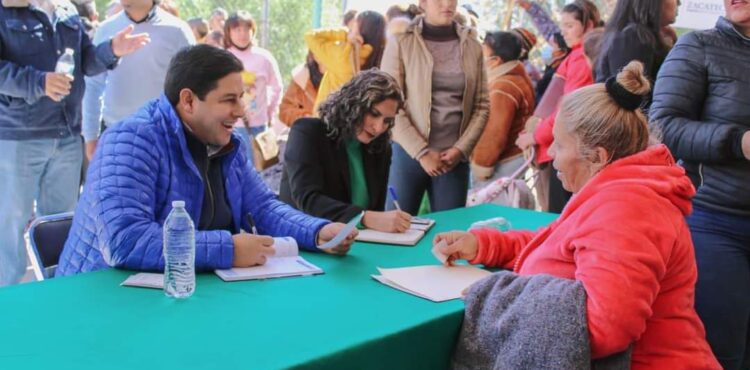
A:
[629,88]
[633,79]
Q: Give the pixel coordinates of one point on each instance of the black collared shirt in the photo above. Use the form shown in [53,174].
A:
[151,14]
[216,214]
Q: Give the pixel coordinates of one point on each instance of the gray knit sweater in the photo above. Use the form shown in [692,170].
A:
[528,322]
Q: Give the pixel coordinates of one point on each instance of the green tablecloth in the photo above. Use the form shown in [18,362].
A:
[340,320]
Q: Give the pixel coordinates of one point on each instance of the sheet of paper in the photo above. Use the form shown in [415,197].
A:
[285,247]
[145,280]
[422,221]
[410,237]
[343,233]
[436,283]
[273,268]
[436,251]
[422,227]
[393,285]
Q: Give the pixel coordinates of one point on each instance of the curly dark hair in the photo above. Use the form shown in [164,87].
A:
[343,112]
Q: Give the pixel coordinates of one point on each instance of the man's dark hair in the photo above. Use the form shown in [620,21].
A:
[198,68]
[505,45]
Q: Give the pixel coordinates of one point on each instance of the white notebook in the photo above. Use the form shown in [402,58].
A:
[145,280]
[435,283]
[286,262]
[410,237]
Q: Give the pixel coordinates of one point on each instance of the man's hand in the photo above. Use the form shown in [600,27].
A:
[432,164]
[746,145]
[391,222]
[124,43]
[329,232]
[251,250]
[450,158]
[57,85]
[90,148]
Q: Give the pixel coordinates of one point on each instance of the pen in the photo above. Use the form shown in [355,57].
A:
[394,197]
[251,222]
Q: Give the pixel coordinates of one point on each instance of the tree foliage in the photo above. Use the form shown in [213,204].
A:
[288,21]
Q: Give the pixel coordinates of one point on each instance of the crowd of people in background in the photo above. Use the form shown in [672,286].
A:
[420,101]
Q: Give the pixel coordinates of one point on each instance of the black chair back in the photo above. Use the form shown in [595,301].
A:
[47,236]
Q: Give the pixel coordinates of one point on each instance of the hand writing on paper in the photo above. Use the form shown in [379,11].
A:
[460,245]
[251,250]
[450,158]
[432,164]
[391,222]
[329,231]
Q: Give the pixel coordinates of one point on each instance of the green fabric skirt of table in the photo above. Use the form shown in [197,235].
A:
[342,319]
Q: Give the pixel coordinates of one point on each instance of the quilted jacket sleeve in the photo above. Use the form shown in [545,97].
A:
[621,269]
[274,217]
[679,97]
[125,204]
[500,249]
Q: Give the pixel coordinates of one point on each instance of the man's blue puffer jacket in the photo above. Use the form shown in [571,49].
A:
[141,165]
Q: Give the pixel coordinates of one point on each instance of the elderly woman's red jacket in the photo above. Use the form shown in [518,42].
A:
[625,238]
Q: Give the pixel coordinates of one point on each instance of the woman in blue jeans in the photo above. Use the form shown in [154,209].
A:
[439,66]
[701,106]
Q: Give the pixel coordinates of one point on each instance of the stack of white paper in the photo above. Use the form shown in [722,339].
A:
[285,262]
[275,267]
[436,283]
[145,280]
[411,237]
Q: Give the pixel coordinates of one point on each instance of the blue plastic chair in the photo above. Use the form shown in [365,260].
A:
[47,237]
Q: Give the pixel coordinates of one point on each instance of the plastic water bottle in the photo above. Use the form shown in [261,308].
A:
[66,64]
[179,252]
[499,223]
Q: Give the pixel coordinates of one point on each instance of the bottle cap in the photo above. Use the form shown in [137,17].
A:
[178,204]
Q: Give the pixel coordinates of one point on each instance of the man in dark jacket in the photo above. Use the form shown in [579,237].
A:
[701,107]
[181,146]
[40,114]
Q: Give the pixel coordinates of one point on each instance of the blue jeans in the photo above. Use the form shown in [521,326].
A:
[722,293]
[245,135]
[409,180]
[47,171]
